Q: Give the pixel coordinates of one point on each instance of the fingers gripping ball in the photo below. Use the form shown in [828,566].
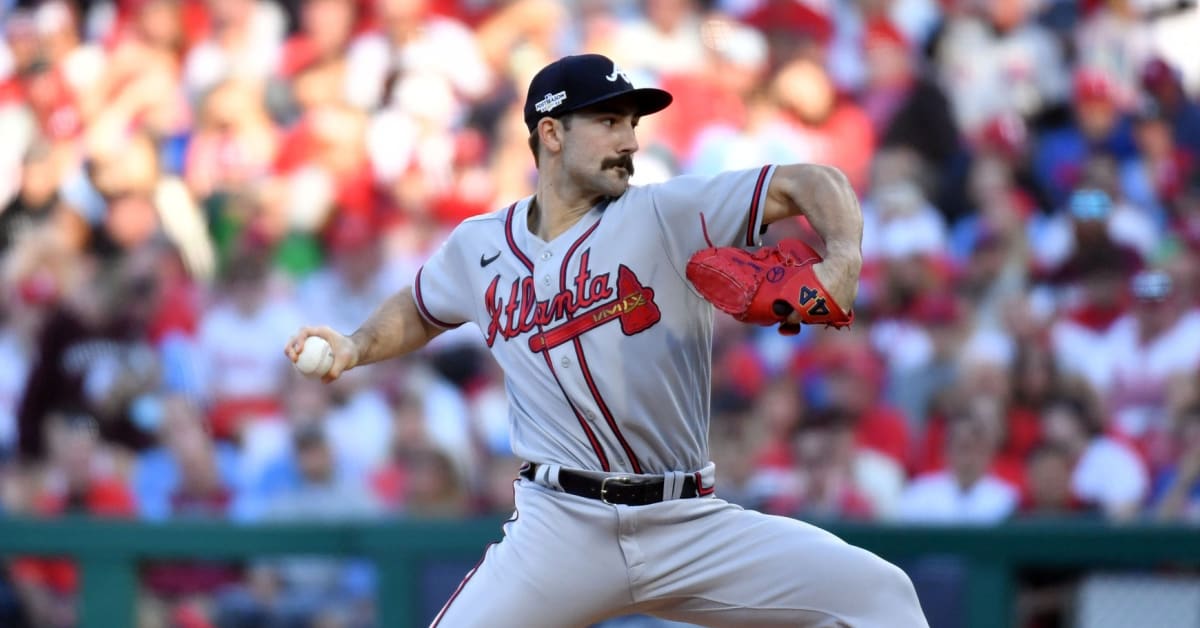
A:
[765,287]
[316,358]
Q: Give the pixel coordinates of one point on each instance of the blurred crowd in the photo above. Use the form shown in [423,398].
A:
[183,183]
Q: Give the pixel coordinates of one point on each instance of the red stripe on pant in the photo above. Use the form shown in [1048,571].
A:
[465,580]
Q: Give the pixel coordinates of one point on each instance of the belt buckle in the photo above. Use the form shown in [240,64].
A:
[604,486]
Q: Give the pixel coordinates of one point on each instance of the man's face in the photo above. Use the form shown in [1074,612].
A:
[1155,315]
[329,22]
[804,88]
[1096,117]
[316,462]
[1049,476]
[598,148]
[971,446]
[1061,426]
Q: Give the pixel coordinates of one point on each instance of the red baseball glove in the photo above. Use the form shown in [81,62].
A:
[766,286]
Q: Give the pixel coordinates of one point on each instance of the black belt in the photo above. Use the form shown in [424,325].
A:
[627,490]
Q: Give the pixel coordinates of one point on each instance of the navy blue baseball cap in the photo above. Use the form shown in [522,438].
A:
[580,81]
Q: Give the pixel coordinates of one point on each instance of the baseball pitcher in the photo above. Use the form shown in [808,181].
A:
[596,298]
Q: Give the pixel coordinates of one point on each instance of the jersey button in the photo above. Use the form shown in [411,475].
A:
[547,255]
[566,362]
[546,280]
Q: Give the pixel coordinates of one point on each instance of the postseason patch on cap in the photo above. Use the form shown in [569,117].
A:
[550,102]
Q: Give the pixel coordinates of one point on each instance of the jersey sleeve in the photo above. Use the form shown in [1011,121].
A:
[731,204]
[439,286]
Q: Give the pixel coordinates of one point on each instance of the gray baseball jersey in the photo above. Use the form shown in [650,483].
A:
[605,346]
[607,352]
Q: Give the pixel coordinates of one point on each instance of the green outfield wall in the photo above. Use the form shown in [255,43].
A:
[109,553]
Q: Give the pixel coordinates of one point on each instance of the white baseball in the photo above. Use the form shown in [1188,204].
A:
[316,357]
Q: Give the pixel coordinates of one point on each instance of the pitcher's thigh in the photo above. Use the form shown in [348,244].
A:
[761,570]
[555,568]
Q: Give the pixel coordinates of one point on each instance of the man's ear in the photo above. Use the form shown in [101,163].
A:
[551,131]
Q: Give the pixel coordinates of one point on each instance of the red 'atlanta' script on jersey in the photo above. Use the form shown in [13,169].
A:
[522,313]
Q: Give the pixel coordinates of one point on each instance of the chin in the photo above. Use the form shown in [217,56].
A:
[618,184]
[612,187]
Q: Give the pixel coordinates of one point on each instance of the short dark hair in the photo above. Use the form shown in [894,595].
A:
[1079,409]
[1044,450]
[535,140]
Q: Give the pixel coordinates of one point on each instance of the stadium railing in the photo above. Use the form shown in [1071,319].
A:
[108,553]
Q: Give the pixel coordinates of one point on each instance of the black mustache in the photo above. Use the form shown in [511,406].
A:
[625,162]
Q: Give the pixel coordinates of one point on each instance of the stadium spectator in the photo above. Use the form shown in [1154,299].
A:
[185,473]
[983,384]
[1008,139]
[822,484]
[999,60]
[1104,471]
[966,492]
[233,144]
[354,415]
[713,97]
[1154,346]
[833,478]
[325,30]
[389,482]
[79,478]
[921,347]
[244,380]
[665,38]
[202,490]
[35,201]
[1100,124]
[243,43]
[1164,88]
[1153,179]
[436,488]
[1048,492]
[778,410]
[907,110]
[93,353]
[1095,277]
[847,377]
[1115,38]
[297,590]
[1176,494]
[410,41]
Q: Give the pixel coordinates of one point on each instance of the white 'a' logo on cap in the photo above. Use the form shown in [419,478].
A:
[612,78]
[550,102]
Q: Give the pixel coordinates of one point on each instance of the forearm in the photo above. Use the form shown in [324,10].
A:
[824,196]
[395,328]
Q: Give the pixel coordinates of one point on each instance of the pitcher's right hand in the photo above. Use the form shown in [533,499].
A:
[345,352]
